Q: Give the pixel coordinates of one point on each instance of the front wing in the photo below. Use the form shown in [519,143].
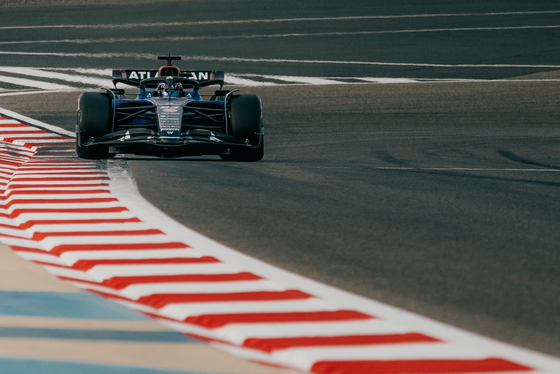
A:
[147,142]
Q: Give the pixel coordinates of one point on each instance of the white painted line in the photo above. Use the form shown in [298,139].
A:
[136,291]
[308,80]
[389,80]
[71,257]
[255,36]
[180,311]
[82,54]
[268,60]
[27,93]
[233,79]
[34,83]
[70,273]
[21,243]
[277,20]
[10,122]
[60,76]
[237,333]
[102,272]
[34,256]
[39,124]
[16,231]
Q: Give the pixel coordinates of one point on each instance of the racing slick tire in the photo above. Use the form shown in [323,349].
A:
[94,120]
[246,123]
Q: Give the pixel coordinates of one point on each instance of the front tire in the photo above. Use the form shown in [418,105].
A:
[94,120]
[246,124]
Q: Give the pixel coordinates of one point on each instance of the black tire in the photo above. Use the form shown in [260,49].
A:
[94,120]
[246,123]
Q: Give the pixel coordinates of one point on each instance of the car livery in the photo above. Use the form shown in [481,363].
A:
[169,117]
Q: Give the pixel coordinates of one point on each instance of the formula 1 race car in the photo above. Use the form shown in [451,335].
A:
[169,118]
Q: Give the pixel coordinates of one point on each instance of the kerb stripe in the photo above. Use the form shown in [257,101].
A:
[160,300]
[58,250]
[88,264]
[271,345]
[489,365]
[120,283]
[215,321]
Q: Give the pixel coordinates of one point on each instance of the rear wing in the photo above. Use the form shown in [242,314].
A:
[133,77]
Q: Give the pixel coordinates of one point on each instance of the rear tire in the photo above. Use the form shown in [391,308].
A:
[94,120]
[246,124]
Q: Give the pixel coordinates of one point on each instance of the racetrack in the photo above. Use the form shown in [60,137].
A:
[440,198]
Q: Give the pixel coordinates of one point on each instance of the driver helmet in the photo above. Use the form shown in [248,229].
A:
[163,88]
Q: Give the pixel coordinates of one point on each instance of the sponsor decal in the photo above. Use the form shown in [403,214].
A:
[170,120]
[198,76]
[139,75]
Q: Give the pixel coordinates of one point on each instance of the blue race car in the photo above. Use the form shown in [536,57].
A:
[169,117]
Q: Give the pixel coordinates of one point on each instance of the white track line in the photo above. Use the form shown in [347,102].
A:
[308,19]
[60,76]
[268,60]
[39,124]
[34,83]
[261,36]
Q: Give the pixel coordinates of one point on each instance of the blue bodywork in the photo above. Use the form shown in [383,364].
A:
[169,117]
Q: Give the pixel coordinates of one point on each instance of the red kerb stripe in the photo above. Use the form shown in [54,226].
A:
[29,224]
[119,283]
[33,139]
[61,179]
[55,192]
[63,201]
[42,235]
[59,249]
[488,365]
[88,264]
[3,162]
[18,212]
[57,168]
[15,185]
[12,236]
[65,172]
[161,300]
[270,345]
[16,124]
[9,226]
[11,132]
[69,279]
[17,248]
[214,321]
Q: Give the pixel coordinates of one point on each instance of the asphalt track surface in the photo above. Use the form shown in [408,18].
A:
[440,198]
